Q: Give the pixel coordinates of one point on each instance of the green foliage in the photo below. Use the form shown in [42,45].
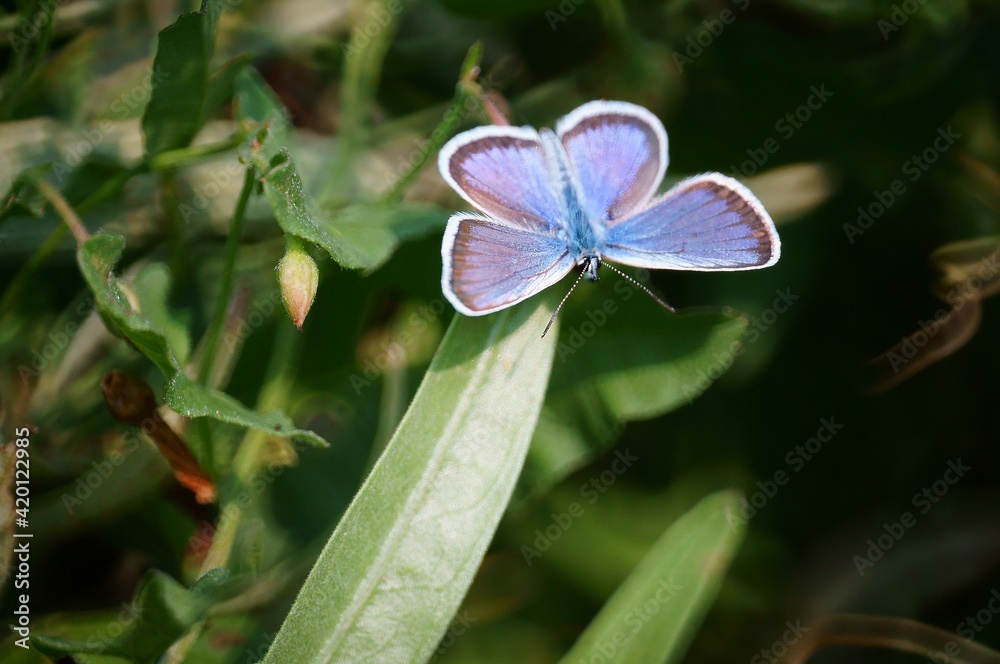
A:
[394,572]
[161,611]
[508,497]
[653,616]
[185,90]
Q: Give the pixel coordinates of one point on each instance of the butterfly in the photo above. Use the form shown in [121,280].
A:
[580,197]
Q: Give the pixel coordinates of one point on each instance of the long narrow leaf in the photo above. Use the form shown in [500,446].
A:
[395,570]
[653,616]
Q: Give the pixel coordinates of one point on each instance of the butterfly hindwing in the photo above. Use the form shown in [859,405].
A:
[618,152]
[708,222]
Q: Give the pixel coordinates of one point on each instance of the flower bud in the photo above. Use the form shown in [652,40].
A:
[298,276]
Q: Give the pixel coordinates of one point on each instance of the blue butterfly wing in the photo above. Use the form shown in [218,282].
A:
[490,264]
[708,222]
[618,154]
[505,173]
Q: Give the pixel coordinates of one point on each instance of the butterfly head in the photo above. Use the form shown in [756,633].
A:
[590,263]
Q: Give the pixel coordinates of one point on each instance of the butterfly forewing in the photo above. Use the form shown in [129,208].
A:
[504,172]
[708,222]
[618,152]
[490,265]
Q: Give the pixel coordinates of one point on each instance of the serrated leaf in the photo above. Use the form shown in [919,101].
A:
[395,570]
[655,613]
[192,399]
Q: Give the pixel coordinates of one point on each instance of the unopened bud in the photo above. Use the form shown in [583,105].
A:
[298,277]
[130,399]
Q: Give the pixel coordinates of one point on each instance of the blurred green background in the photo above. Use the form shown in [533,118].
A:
[830,111]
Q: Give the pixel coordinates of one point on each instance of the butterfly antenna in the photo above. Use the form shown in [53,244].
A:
[648,292]
[565,297]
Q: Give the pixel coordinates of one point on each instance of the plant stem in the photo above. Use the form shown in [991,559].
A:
[51,243]
[64,210]
[466,89]
[362,68]
[246,462]
[171,159]
[225,289]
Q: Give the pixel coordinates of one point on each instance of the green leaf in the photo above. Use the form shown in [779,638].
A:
[396,568]
[97,258]
[222,84]
[163,339]
[361,236]
[192,399]
[653,616]
[152,287]
[161,612]
[627,368]
[29,41]
[256,103]
[358,237]
[610,531]
[23,196]
[184,91]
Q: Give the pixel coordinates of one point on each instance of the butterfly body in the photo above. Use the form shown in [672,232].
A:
[582,195]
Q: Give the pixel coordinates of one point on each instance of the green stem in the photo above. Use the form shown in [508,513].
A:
[214,331]
[452,119]
[13,293]
[171,159]
[17,286]
[170,204]
[274,395]
[362,68]
[466,89]
[64,210]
